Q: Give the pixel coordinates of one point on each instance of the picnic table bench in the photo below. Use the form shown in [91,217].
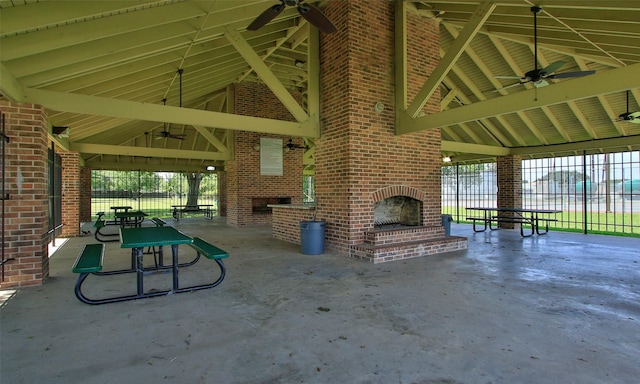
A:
[180,210]
[99,225]
[493,218]
[123,219]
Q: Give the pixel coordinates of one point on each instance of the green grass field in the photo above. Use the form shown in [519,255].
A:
[154,207]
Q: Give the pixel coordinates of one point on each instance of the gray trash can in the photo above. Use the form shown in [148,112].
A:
[446,223]
[312,237]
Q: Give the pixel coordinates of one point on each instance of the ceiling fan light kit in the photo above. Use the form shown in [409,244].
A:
[631,117]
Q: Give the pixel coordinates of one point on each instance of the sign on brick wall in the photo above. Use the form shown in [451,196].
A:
[270,157]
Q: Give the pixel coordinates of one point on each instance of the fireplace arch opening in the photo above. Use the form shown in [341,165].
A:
[397,212]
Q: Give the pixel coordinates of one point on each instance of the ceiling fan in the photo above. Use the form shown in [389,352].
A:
[308,11]
[165,133]
[539,76]
[291,146]
[632,117]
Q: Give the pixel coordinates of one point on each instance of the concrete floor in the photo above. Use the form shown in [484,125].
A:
[561,308]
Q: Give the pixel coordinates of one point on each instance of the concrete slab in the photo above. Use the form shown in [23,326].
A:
[546,309]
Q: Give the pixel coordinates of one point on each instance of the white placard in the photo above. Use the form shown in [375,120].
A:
[270,157]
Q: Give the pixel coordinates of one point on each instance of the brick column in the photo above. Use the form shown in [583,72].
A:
[26,216]
[509,184]
[222,194]
[70,193]
[85,194]
[359,152]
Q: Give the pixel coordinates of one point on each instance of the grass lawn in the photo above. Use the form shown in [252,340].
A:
[154,207]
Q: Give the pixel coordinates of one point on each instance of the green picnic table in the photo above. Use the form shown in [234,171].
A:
[130,218]
[137,239]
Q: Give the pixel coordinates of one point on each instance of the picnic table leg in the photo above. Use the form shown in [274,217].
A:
[174,251]
[497,221]
[139,271]
[160,257]
[533,227]
[538,226]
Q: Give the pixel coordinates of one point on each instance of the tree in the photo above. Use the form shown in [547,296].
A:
[101,181]
[193,180]
[149,181]
[209,184]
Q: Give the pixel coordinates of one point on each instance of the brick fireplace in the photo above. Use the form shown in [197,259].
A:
[360,161]
[398,232]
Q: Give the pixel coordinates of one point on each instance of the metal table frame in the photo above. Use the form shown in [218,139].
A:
[529,216]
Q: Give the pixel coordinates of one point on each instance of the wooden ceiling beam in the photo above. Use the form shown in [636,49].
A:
[100,106]
[266,75]
[122,150]
[453,53]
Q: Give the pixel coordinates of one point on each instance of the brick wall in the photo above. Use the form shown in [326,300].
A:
[243,178]
[25,217]
[286,223]
[70,193]
[359,152]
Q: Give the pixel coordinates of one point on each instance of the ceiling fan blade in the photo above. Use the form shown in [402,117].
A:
[567,75]
[507,77]
[554,67]
[316,18]
[179,137]
[266,17]
[507,87]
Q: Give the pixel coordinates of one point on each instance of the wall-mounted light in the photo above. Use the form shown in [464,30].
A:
[211,168]
[446,159]
[300,63]
[256,147]
[378,107]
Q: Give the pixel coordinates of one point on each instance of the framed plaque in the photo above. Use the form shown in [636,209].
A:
[270,157]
